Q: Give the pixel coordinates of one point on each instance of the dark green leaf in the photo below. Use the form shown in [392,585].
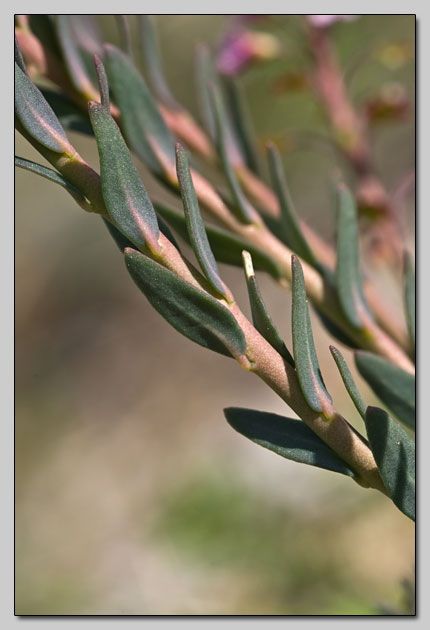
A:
[305,357]
[68,113]
[348,277]
[124,194]
[194,313]
[394,453]
[37,117]
[293,231]
[394,386]
[152,62]
[227,248]
[349,381]
[53,176]
[195,225]
[289,438]
[260,316]
[409,294]
[144,128]
[72,56]
[241,206]
[242,125]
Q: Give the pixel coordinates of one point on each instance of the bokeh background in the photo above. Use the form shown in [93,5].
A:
[133,494]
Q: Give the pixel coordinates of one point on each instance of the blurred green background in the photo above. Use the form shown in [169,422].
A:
[133,495]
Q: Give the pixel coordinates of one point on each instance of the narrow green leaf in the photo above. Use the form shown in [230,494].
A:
[293,231]
[53,176]
[72,56]
[289,438]
[37,117]
[124,194]
[348,277]
[124,34]
[349,381]
[103,82]
[195,225]
[241,206]
[394,453]
[194,313]
[305,357]
[394,386]
[260,316]
[151,56]
[205,75]
[227,248]
[409,295]
[19,60]
[242,125]
[68,113]
[144,128]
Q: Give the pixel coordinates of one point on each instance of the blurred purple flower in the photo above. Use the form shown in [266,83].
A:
[240,47]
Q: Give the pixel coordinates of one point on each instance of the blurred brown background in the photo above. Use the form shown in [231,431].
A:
[133,494]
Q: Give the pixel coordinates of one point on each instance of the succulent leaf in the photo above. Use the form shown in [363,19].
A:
[289,438]
[226,247]
[260,316]
[349,381]
[194,313]
[293,232]
[195,225]
[144,128]
[394,386]
[151,57]
[348,277]
[241,206]
[242,125]
[37,117]
[124,194]
[394,453]
[305,357]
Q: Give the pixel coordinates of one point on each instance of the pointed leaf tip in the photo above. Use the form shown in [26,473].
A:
[195,225]
[305,358]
